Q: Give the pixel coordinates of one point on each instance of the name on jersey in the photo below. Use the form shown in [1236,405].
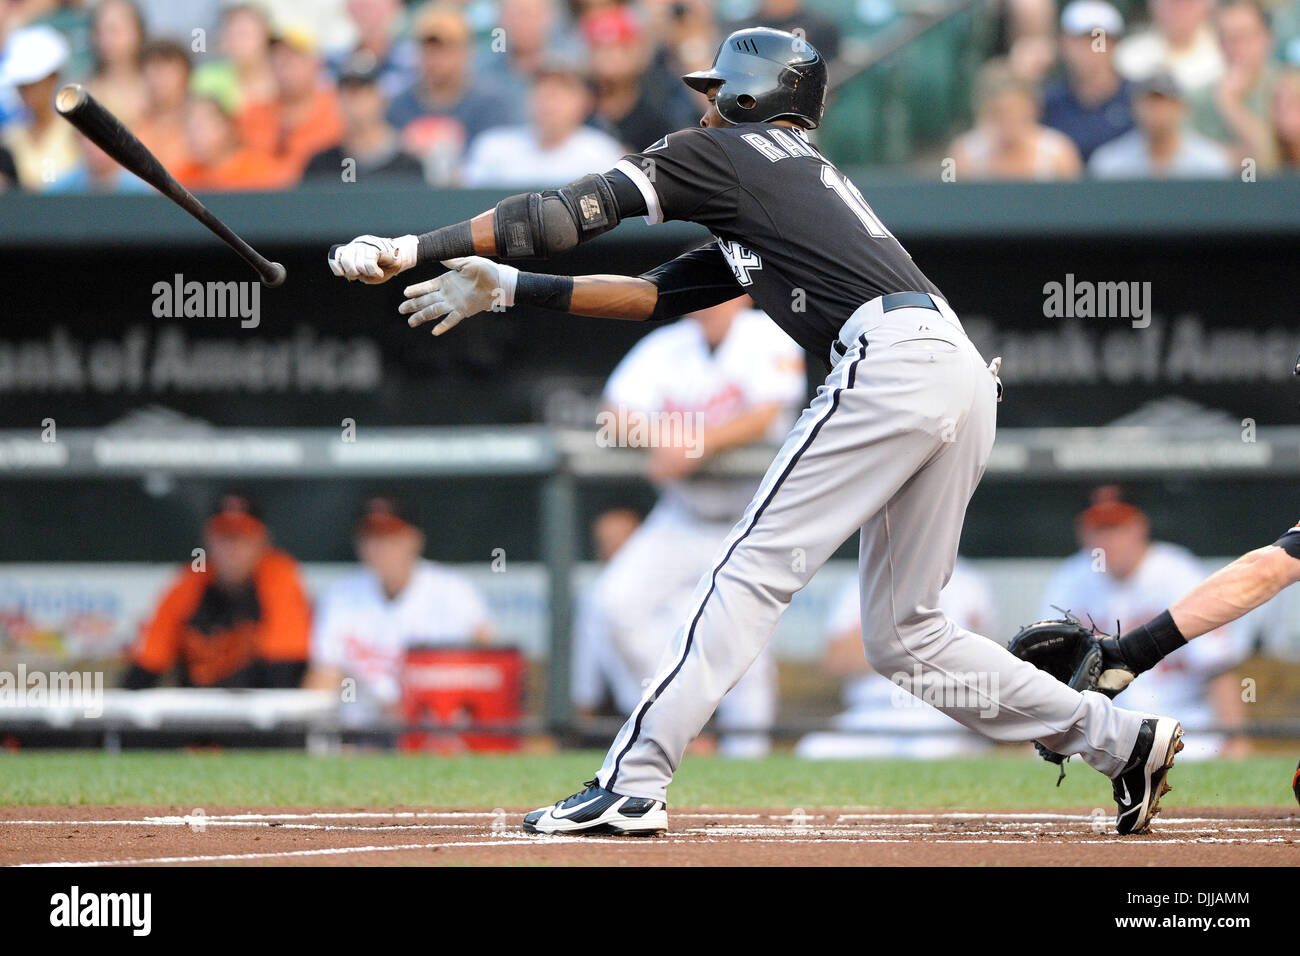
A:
[777,144]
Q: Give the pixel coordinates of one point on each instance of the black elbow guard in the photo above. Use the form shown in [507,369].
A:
[539,225]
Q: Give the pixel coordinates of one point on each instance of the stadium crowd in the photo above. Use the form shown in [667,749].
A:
[243,95]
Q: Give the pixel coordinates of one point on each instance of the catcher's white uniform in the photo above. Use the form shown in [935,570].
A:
[1177,685]
[363,634]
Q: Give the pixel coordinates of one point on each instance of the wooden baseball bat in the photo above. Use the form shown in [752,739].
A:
[78,107]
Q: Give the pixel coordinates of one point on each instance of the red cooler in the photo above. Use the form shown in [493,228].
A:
[462,686]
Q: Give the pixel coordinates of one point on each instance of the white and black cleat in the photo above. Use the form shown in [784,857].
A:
[1141,783]
[596,811]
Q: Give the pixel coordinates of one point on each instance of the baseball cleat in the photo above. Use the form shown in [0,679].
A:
[595,811]
[1141,784]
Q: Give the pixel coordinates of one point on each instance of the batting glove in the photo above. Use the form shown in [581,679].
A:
[372,259]
[471,285]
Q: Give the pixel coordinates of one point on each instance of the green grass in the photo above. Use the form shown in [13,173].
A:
[274,778]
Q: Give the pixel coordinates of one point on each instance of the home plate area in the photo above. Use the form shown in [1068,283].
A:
[124,836]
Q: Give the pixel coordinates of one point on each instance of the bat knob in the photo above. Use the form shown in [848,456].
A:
[274,275]
[69,98]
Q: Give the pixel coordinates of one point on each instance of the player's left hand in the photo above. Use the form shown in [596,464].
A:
[471,285]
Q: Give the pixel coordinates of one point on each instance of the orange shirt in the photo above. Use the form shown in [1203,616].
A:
[265,126]
[214,636]
[167,142]
[244,169]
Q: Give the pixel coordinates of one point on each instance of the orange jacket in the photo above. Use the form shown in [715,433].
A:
[245,169]
[264,127]
[274,627]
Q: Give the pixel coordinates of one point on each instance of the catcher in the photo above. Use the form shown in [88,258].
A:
[1087,660]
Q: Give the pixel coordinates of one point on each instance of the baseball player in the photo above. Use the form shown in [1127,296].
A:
[892,445]
[1229,593]
[370,618]
[722,378]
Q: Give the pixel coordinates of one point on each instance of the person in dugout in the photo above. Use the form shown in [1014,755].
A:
[237,616]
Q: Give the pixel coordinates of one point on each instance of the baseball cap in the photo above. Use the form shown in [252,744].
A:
[1081,17]
[298,38]
[32,54]
[361,69]
[611,24]
[1109,508]
[235,513]
[440,21]
[1160,83]
[384,514]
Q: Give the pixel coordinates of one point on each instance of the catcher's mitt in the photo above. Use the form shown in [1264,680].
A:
[1068,651]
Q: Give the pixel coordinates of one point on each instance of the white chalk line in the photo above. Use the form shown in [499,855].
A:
[874,829]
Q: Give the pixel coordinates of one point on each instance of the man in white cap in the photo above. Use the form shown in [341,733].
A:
[44,147]
[1091,103]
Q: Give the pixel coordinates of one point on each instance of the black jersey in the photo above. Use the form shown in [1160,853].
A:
[789,229]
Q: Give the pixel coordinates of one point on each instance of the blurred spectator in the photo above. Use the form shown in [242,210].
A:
[368,620]
[237,617]
[218,158]
[43,147]
[727,379]
[1092,103]
[1120,574]
[1007,141]
[1235,112]
[72,19]
[98,173]
[378,26]
[1285,113]
[368,141]
[304,117]
[445,108]
[626,107]
[529,29]
[1161,147]
[1181,42]
[794,17]
[555,147]
[878,708]
[179,19]
[167,82]
[598,673]
[243,77]
[118,36]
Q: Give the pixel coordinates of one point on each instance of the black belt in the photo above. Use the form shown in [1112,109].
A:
[908,300]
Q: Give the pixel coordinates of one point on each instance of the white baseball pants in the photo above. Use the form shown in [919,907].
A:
[894,444]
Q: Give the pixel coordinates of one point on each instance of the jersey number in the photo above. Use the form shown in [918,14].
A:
[832,179]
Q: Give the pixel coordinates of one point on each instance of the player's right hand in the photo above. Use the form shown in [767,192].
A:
[373,259]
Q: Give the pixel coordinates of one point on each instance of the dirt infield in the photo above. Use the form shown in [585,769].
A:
[119,836]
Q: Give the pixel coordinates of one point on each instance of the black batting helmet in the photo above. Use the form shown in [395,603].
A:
[765,75]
